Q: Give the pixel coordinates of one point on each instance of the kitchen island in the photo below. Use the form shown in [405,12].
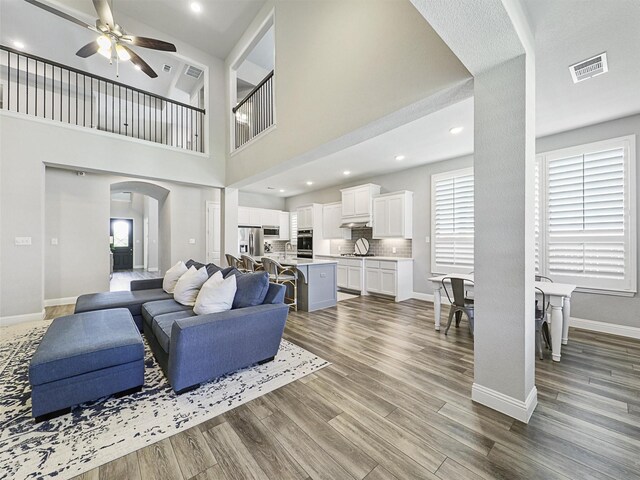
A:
[317,281]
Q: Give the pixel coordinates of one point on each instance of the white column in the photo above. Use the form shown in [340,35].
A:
[229,221]
[504,156]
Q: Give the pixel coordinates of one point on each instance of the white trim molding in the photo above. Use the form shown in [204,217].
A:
[152,269]
[427,297]
[605,327]
[517,409]
[54,302]
[15,319]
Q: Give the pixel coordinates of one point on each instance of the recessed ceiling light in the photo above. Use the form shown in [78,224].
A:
[346,172]
[196,7]
[18,44]
[281,190]
[399,157]
[455,130]
[309,183]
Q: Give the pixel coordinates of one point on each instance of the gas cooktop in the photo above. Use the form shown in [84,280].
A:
[357,255]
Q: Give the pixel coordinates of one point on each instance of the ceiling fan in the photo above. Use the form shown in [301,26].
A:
[112,42]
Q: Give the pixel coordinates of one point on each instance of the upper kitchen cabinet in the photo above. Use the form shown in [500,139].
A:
[270,218]
[393,215]
[331,221]
[284,226]
[305,218]
[357,203]
[248,216]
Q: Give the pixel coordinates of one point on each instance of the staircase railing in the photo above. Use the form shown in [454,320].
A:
[46,89]
[254,113]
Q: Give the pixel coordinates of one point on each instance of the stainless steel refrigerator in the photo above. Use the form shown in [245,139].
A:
[251,241]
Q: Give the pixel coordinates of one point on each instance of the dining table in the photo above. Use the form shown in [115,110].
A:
[559,295]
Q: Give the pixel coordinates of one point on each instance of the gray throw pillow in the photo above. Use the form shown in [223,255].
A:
[252,289]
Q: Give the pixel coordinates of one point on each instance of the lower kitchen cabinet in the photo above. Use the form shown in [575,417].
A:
[390,277]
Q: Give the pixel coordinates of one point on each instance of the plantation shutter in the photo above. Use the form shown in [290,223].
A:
[452,213]
[537,218]
[293,218]
[588,241]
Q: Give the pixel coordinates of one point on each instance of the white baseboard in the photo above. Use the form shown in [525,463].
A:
[427,297]
[54,302]
[155,269]
[138,266]
[517,409]
[15,319]
[604,327]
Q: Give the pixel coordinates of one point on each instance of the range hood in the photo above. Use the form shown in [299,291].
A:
[354,224]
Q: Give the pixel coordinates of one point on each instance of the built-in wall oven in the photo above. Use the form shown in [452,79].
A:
[305,243]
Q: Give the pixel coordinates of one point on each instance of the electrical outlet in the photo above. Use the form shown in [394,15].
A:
[427,240]
[23,241]
[393,250]
[339,248]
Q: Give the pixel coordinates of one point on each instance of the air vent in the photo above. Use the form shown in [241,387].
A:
[591,67]
[192,71]
[166,68]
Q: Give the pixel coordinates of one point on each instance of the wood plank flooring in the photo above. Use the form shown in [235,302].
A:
[396,404]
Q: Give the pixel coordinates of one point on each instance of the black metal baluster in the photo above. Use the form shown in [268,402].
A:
[98,107]
[17,85]
[76,98]
[60,68]
[53,92]
[9,83]
[36,92]
[27,84]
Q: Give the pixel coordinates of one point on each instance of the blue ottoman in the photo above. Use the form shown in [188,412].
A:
[83,357]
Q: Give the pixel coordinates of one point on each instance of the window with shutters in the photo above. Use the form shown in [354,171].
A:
[293,219]
[583,204]
[452,222]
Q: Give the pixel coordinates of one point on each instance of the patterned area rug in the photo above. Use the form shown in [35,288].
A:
[98,432]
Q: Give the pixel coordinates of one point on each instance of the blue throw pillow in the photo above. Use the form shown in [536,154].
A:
[252,289]
[192,263]
[213,268]
[230,271]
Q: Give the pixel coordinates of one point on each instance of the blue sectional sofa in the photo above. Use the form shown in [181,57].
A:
[193,349]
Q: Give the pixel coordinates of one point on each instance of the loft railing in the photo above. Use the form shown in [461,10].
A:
[254,113]
[35,86]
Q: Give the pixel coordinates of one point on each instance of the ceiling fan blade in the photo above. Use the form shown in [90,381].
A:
[104,12]
[66,16]
[146,42]
[88,50]
[136,60]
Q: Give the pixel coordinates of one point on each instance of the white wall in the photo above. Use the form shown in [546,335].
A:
[335,60]
[151,216]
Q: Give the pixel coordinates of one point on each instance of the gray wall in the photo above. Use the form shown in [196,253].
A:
[603,308]
[135,211]
[151,215]
[417,180]
[77,213]
[257,200]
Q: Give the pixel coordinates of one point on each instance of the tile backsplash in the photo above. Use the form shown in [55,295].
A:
[277,246]
[379,248]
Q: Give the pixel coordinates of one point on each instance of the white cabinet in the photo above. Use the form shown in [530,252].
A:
[390,277]
[350,273]
[393,215]
[270,218]
[305,218]
[343,276]
[354,278]
[284,226]
[331,220]
[357,202]
[244,217]
[249,216]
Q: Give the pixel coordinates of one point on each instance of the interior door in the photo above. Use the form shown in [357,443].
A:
[213,233]
[121,232]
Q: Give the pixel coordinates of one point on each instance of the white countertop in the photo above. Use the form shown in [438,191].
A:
[295,261]
[389,259]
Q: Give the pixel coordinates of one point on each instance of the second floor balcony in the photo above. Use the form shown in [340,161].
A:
[48,90]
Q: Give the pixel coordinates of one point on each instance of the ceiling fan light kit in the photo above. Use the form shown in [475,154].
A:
[112,39]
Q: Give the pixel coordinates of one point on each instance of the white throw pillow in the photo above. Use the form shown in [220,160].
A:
[189,285]
[172,276]
[216,295]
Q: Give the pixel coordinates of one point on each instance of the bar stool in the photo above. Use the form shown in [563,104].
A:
[285,276]
[234,261]
[250,265]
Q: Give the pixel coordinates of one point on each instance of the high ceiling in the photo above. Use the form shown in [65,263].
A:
[568,31]
[215,30]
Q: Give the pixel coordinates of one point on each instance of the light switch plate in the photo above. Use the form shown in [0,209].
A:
[192,241]
[23,241]
[427,239]
[393,250]
[54,241]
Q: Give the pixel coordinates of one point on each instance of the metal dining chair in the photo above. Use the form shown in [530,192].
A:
[250,265]
[285,276]
[459,304]
[542,327]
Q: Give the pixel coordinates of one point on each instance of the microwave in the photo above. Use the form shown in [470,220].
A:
[271,231]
